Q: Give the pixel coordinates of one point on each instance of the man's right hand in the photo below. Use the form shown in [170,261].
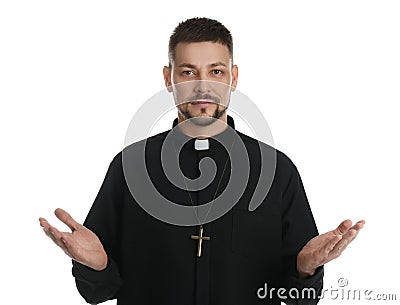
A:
[82,245]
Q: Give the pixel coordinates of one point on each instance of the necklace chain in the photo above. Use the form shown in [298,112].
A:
[219,182]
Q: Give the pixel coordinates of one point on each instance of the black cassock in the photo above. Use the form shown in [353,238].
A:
[249,256]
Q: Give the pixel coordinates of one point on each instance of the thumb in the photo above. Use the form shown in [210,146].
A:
[67,219]
[343,227]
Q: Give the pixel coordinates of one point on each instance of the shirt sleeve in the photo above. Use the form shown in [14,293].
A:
[103,219]
[97,286]
[298,228]
[305,291]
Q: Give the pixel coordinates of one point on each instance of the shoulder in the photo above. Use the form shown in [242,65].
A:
[283,163]
[137,148]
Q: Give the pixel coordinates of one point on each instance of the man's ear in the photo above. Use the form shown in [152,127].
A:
[167,78]
[235,74]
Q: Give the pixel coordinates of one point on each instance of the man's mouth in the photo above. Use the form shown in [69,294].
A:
[202,103]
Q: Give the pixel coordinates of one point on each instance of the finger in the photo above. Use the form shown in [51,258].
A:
[359,225]
[56,233]
[343,227]
[48,229]
[49,234]
[60,240]
[66,245]
[347,238]
[44,223]
[350,236]
[343,244]
[54,237]
[67,219]
[58,237]
[69,245]
[330,245]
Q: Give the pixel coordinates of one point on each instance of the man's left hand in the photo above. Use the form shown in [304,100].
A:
[326,247]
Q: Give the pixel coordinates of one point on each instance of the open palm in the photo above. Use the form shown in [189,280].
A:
[81,244]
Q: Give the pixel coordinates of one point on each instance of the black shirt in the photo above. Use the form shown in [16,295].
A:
[248,254]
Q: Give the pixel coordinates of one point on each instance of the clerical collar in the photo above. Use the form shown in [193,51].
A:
[200,144]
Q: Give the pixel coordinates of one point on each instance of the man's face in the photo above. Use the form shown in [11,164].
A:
[201,77]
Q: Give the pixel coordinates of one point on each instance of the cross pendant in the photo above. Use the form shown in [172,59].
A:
[200,238]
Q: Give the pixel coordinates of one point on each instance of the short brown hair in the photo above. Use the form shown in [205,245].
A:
[199,30]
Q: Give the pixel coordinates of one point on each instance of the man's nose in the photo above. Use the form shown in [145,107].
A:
[201,86]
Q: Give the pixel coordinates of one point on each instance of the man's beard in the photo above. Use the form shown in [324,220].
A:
[203,120]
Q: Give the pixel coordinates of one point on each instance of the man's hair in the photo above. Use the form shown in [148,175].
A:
[199,30]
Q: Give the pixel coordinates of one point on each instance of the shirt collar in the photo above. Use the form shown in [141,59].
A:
[180,138]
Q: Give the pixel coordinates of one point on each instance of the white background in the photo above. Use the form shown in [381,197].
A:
[72,73]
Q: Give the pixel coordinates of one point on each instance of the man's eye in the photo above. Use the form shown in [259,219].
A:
[217,72]
[187,72]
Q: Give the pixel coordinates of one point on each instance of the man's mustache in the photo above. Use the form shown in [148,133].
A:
[201,97]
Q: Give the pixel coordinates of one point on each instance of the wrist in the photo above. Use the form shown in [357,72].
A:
[302,271]
[102,263]
[305,274]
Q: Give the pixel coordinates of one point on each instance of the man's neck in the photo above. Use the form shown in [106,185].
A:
[202,132]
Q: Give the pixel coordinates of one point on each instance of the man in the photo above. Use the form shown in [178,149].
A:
[125,253]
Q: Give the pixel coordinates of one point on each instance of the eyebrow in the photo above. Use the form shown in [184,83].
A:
[216,64]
